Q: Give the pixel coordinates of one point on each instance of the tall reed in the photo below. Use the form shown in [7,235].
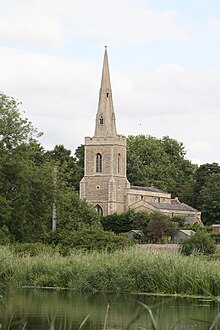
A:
[133,270]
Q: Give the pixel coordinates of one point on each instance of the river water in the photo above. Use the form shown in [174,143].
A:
[43,309]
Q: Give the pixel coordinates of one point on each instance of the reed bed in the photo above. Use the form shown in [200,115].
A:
[133,270]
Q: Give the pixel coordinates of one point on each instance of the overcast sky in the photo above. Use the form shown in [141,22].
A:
[164,58]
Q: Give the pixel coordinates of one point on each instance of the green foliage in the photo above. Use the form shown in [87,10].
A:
[154,226]
[32,249]
[203,172]
[128,270]
[25,178]
[5,237]
[14,129]
[160,226]
[27,196]
[118,223]
[72,212]
[27,183]
[216,237]
[206,194]
[89,238]
[79,155]
[179,220]
[69,167]
[210,200]
[201,242]
[160,162]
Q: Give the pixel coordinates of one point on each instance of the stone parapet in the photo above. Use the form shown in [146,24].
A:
[115,140]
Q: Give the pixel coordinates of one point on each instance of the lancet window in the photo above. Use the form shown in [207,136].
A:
[98,163]
[119,163]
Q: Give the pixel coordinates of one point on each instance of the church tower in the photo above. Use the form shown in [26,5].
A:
[104,184]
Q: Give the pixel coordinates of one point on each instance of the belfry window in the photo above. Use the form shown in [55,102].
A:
[101,120]
[119,163]
[98,163]
[107,94]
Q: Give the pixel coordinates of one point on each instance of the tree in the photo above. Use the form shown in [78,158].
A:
[14,129]
[27,192]
[118,223]
[25,180]
[160,162]
[72,212]
[201,242]
[160,226]
[68,165]
[209,199]
[206,196]
[79,155]
[203,172]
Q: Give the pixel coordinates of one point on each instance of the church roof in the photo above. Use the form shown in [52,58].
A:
[151,188]
[174,207]
[188,232]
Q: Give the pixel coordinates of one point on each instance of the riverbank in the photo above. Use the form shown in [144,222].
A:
[133,270]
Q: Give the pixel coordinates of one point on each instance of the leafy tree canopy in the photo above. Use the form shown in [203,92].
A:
[209,199]
[201,242]
[154,226]
[69,167]
[14,129]
[160,162]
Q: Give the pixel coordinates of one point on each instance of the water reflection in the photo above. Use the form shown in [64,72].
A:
[40,309]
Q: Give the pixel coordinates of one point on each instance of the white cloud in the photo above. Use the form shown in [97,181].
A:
[34,31]
[60,97]
[213,26]
[132,25]
[44,22]
[60,92]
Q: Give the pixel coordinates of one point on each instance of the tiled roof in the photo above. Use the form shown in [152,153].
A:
[187,231]
[177,207]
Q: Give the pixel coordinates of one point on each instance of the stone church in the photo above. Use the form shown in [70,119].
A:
[105,184]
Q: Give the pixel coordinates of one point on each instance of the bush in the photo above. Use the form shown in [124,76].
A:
[5,236]
[32,249]
[118,223]
[89,238]
[201,242]
[216,237]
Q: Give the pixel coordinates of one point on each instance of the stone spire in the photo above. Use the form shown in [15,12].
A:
[105,118]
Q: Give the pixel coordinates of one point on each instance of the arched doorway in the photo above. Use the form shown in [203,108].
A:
[99,209]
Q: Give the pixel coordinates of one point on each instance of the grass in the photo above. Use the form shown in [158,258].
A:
[133,270]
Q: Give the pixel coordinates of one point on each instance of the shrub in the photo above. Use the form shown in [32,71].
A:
[5,236]
[89,238]
[201,242]
[32,249]
[118,223]
[216,237]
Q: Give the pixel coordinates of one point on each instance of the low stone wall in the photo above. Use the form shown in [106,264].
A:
[160,247]
[167,247]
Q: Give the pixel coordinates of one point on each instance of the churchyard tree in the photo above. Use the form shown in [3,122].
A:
[206,192]
[161,163]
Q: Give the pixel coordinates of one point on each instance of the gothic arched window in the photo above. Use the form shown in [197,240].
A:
[119,163]
[99,209]
[101,120]
[98,163]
